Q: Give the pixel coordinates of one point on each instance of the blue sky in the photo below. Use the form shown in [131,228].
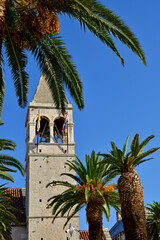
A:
[119,101]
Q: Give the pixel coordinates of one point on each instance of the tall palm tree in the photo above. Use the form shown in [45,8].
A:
[7,218]
[33,25]
[153,221]
[129,185]
[7,163]
[91,191]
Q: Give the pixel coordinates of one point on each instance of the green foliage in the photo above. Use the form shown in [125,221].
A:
[7,162]
[50,52]
[122,161]
[153,221]
[102,22]
[2,88]
[7,218]
[17,60]
[90,188]
[57,69]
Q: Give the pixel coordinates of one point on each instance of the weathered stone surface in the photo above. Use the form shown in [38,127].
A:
[44,163]
[19,233]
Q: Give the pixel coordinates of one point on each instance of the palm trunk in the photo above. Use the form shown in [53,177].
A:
[2,35]
[2,23]
[94,218]
[132,205]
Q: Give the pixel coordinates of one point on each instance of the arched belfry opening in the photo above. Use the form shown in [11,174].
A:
[60,135]
[43,130]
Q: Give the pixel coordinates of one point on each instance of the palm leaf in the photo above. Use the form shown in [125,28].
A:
[17,60]
[143,155]
[6,176]
[144,143]
[2,89]
[125,146]
[77,179]
[91,181]
[12,162]
[135,145]
[6,144]
[70,74]
[104,17]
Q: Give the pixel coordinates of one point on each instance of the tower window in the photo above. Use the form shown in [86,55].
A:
[43,130]
[59,136]
[40,200]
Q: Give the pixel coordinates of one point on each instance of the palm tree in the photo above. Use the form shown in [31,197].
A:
[153,221]
[33,25]
[91,191]
[7,218]
[7,162]
[129,185]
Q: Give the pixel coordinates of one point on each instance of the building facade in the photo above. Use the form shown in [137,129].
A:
[47,150]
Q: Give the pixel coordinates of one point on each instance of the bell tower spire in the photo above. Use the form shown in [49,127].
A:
[49,144]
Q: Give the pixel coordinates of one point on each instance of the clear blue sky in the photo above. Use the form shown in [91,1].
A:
[119,101]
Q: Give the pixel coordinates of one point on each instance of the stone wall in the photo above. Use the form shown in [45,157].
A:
[19,233]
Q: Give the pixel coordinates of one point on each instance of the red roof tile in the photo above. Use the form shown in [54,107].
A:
[18,196]
[84,235]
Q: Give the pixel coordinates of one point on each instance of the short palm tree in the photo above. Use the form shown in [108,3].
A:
[33,25]
[91,191]
[153,221]
[7,163]
[7,218]
[129,185]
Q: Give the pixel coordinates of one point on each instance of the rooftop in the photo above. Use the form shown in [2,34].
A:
[117,228]
[18,202]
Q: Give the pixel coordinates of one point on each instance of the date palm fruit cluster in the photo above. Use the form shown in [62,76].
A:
[36,19]
[94,189]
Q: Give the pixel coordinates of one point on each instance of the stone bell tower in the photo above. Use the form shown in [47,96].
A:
[47,150]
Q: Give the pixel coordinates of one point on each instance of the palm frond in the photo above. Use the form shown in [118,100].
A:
[8,163]
[92,179]
[6,176]
[144,143]
[121,161]
[125,146]
[153,223]
[105,21]
[57,68]
[17,60]
[68,70]
[76,178]
[2,88]
[12,162]
[6,144]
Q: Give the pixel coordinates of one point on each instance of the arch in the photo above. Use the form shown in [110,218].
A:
[59,136]
[44,118]
[43,130]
